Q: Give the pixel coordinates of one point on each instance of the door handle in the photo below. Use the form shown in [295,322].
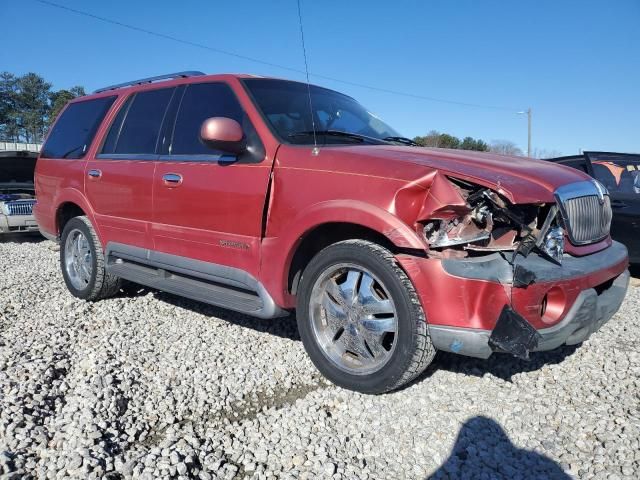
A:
[172,179]
[94,173]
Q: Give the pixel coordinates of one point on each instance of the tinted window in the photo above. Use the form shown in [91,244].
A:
[139,123]
[116,126]
[202,101]
[74,131]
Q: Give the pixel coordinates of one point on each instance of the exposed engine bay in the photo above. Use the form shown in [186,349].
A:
[17,192]
[491,224]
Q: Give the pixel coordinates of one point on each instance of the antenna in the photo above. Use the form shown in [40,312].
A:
[306,69]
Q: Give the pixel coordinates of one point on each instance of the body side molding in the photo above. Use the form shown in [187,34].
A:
[210,283]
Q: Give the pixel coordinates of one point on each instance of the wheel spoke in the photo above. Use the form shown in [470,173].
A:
[349,288]
[334,313]
[334,290]
[374,342]
[379,325]
[370,300]
[84,273]
[356,345]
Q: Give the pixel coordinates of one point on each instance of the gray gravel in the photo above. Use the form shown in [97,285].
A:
[148,385]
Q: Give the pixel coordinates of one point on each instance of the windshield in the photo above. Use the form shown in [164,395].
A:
[285,106]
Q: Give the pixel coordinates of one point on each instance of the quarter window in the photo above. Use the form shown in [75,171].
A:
[137,125]
[202,101]
[74,131]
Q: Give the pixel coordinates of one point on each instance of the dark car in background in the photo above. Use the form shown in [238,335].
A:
[17,193]
[620,174]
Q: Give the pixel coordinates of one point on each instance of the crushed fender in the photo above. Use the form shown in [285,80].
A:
[513,334]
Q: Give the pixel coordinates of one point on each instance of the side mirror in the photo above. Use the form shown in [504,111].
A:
[222,133]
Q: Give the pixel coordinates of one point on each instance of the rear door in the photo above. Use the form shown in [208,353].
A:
[621,175]
[208,205]
[119,179]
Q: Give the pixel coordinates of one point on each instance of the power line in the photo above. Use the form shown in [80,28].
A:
[263,62]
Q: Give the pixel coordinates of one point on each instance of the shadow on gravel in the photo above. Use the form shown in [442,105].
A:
[500,365]
[284,327]
[483,450]
[31,237]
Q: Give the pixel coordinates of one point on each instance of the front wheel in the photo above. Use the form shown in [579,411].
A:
[82,262]
[360,318]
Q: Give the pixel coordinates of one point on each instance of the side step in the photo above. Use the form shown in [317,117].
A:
[217,285]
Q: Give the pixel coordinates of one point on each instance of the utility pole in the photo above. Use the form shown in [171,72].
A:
[529,132]
[528,112]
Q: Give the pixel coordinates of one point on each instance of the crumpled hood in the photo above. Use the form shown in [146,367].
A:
[521,180]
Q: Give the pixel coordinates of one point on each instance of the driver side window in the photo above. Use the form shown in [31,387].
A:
[199,102]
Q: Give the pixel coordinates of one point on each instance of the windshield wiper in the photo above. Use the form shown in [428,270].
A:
[336,133]
[402,141]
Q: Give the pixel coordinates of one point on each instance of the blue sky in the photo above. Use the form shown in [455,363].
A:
[576,63]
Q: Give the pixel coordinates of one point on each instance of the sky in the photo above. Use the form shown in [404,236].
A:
[575,63]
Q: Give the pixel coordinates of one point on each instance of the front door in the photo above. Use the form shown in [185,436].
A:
[119,179]
[208,205]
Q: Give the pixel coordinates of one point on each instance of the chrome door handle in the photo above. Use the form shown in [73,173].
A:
[172,179]
[94,173]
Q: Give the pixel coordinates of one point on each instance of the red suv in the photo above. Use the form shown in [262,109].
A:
[263,195]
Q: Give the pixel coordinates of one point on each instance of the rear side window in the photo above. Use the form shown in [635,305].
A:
[201,101]
[136,127]
[74,131]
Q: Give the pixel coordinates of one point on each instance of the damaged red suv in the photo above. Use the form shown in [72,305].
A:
[263,196]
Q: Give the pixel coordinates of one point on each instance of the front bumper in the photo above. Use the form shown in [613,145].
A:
[464,299]
[17,223]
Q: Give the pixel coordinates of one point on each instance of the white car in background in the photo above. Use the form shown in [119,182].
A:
[17,193]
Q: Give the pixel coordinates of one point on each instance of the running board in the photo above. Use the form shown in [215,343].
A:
[205,282]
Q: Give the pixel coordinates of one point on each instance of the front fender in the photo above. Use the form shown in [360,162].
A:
[277,252]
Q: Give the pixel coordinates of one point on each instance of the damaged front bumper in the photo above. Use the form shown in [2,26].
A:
[478,306]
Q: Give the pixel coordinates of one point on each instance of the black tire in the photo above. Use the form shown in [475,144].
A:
[101,284]
[413,351]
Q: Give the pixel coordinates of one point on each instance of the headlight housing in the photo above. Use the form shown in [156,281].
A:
[553,244]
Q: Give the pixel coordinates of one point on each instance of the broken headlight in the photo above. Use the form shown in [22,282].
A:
[484,221]
[553,244]
[442,233]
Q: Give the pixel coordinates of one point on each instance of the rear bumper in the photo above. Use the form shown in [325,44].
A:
[464,299]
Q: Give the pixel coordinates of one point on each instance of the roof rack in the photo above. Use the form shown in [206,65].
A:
[168,76]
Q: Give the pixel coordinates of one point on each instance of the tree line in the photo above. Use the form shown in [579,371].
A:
[28,106]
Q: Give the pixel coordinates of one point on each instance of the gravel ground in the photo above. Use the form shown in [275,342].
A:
[148,385]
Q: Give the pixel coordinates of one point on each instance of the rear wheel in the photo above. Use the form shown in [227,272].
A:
[360,318]
[82,262]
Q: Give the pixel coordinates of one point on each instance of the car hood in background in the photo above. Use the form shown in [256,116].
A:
[16,170]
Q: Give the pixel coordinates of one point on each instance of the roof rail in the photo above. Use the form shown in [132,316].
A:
[168,76]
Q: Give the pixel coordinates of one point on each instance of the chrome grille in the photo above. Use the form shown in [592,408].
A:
[586,212]
[20,207]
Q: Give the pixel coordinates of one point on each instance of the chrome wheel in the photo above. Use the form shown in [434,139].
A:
[353,318]
[78,259]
